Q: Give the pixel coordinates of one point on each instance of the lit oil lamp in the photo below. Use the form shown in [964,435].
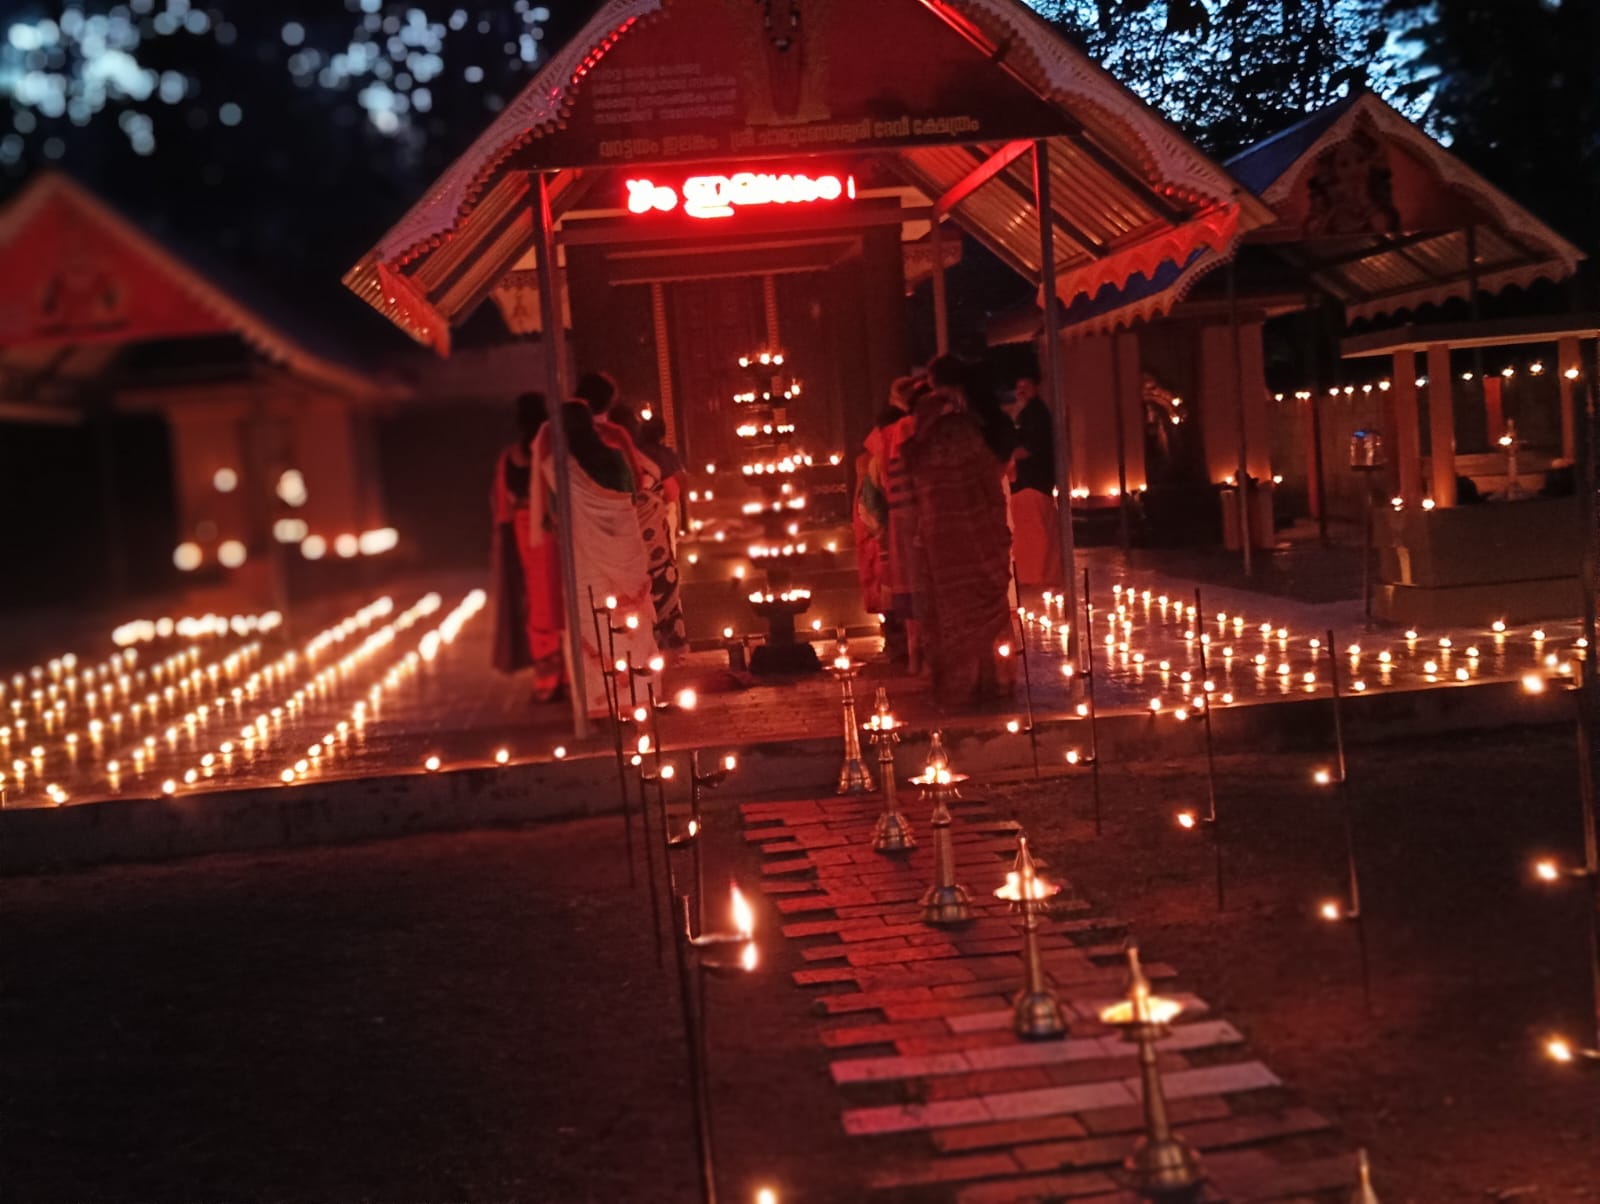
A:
[946,901]
[1037,1012]
[854,777]
[892,833]
[731,952]
[1162,1166]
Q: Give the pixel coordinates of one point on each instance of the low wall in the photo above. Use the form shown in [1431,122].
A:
[1477,563]
[343,810]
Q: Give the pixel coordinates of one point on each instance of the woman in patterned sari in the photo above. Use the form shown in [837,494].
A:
[962,571]
[651,504]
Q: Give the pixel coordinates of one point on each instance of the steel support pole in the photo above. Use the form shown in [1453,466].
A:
[941,303]
[1055,395]
[1589,679]
[1243,476]
[1319,494]
[1125,536]
[555,366]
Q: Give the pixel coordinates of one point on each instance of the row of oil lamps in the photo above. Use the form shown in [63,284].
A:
[187,682]
[283,689]
[1434,669]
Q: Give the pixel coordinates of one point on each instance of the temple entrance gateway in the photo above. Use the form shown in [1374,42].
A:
[667,129]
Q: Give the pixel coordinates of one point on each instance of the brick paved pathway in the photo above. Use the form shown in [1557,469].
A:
[916,1024]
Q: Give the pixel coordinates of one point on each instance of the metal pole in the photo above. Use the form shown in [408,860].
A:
[699,824]
[1338,703]
[1318,464]
[614,704]
[691,1037]
[1341,783]
[1027,673]
[1094,717]
[941,305]
[1366,553]
[1211,761]
[555,366]
[1590,679]
[1122,443]
[1057,398]
[1243,475]
[1211,758]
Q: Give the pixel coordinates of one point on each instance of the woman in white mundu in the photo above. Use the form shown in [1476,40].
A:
[608,553]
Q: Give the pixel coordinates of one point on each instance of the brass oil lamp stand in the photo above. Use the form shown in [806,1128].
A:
[892,833]
[1162,1166]
[1037,1011]
[854,777]
[946,901]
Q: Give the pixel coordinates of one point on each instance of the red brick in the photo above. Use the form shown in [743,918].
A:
[945,1170]
[987,1082]
[881,1034]
[1006,1133]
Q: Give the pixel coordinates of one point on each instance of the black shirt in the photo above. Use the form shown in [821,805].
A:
[1036,436]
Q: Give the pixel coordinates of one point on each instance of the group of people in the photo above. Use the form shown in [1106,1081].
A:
[955,505]
[955,511]
[625,483]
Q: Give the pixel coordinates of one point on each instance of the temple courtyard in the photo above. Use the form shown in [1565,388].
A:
[504,1025]
[483,1015]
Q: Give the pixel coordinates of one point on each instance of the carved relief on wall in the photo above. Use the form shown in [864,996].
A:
[1351,188]
[82,296]
[783,65]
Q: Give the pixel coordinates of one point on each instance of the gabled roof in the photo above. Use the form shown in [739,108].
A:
[1130,192]
[148,289]
[1259,166]
[1385,218]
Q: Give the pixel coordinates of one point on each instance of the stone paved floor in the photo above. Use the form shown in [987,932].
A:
[174,716]
[916,1024]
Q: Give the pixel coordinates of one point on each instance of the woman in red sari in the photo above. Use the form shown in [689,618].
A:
[526,577]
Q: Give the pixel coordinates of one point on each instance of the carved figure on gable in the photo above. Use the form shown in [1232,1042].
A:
[1351,189]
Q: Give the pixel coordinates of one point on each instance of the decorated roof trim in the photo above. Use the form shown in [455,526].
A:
[1450,169]
[1059,71]
[265,337]
[540,106]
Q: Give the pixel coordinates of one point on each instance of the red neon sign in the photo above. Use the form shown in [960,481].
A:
[721,196]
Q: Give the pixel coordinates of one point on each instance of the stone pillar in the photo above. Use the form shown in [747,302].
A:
[205,441]
[1494,411]
[1093,412]
[1442,425]
[1219,404]
[1568,360]
[1404,434]
[324,450]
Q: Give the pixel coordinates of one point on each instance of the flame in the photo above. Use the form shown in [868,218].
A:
[1186,819]
[1332,911]
[744,919]
[687,700]
[749,957]
[1546,870]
